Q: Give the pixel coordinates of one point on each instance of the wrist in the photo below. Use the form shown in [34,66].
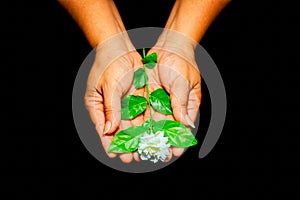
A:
[113,48]
[119,42]
[176,42]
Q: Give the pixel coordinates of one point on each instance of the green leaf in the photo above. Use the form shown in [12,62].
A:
[140,78]
[147,123]
[150,60]
[132,106]
[127,140]
[150,65]
[178,134]
[160,101]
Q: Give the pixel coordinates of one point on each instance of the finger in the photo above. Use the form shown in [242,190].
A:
[177,151]
[112,108]
[179,96]
[106,140]
[94,105]
[169,157]
[126,157]
[194,103]
[136,157]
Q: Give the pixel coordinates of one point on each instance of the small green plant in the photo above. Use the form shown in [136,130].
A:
[175,133]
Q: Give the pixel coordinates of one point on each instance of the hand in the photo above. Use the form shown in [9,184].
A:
[182,81]
[110,78]
[178,74]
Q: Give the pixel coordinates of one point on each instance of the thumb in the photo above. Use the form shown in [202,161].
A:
[179,94]
[94,105]
[112,110]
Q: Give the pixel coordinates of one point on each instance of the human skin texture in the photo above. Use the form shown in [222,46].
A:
[177,71]
[100,21]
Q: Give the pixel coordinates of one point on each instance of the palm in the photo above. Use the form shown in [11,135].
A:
[172,74]
[182,80]
[105,86]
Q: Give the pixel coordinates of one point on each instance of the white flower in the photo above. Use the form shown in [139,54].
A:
[154,147]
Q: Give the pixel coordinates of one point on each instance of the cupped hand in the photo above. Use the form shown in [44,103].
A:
[109,79]
[179,76]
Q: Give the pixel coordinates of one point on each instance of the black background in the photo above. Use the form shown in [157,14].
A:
[255,157]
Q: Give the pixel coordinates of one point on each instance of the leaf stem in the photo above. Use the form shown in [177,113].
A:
[144,53]
[148,94]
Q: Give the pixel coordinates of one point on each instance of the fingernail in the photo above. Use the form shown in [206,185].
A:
[107,127]
[189,121]
[111,155]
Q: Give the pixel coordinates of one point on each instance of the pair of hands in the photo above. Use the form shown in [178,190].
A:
[111,78]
